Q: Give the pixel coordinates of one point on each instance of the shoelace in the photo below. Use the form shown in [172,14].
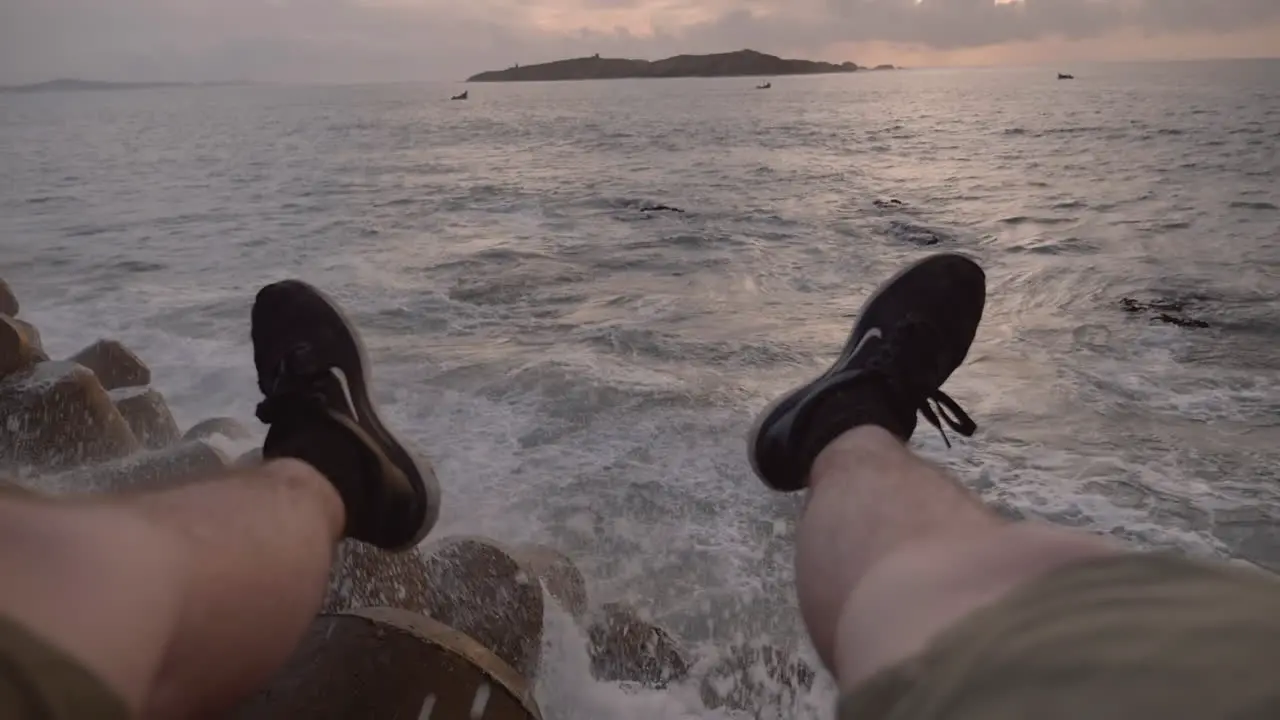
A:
[944,412]
[937,415]
[293,388]
[276,407]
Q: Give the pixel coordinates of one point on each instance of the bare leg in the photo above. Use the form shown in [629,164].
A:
[258,558]
[184,600]
[891,551]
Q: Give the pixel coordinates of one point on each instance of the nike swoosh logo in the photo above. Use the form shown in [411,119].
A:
[346,391]
[871,334]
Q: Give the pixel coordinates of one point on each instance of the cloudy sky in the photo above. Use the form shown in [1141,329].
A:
[355,40]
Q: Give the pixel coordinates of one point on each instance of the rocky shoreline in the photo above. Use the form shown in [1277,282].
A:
[451,630]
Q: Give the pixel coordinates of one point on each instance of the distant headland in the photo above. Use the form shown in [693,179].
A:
[742,63]
[71,85]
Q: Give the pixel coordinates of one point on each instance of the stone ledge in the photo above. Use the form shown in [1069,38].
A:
[383,663]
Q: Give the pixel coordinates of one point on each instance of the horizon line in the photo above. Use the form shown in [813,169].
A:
[324,82]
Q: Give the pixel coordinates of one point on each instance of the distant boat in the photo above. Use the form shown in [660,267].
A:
[765,86]
[460,96]
[1065,76]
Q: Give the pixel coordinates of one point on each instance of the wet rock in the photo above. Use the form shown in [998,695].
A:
[1181,321]
[760,679]
[916,234]
[154,470]
[57,415]
[1248,566]
[12,488]
[558,575]
[471,584]
[626,648]
[386,664]
[253,458]
[890,204]
[364,576]
[1162,304]
[659,207]
[148,416]
[8,301]
[17,351]
[33,338]
[226,427]
[1171,311]
[115,365]
[476,586]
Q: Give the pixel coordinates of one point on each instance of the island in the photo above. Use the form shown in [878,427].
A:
[741,63]
[74,85]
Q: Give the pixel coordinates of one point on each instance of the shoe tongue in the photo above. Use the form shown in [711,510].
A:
[301,360]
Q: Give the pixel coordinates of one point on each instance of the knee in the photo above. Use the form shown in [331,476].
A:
[97,582]
[919,591]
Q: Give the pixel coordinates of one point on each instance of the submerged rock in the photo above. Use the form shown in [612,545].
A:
[659,207]
[916,234]
[115,365]
[386,664]
[57,415]
[626,648]
[1181,321]
[1170,311]
[1161,304]
[757,678]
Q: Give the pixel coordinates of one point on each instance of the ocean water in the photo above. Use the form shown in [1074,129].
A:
[583,371]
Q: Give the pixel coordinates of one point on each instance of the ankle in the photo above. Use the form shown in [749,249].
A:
[853,448]
[328,448]
[296,475]
[862,399]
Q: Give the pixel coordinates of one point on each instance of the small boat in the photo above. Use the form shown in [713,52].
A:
[765,86]
[460,96]
[1066,76]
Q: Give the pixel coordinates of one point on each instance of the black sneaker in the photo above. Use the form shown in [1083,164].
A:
[912,333]
[314,375]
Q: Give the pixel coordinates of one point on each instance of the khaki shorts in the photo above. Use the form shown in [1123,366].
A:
[40,682]
[1132,637]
